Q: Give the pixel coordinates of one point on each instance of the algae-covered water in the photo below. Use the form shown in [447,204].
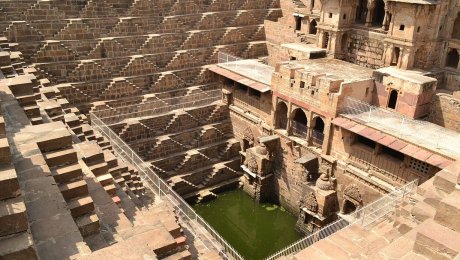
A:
[254,230]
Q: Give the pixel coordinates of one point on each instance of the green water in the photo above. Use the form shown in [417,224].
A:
[254,230]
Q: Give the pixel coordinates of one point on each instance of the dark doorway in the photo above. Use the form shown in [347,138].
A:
[452,59]
[344,41]
[456,29]
[313,29]
[395,60]
[379,13]
[299,123]
[318,131]
[281,116]
[298,23]
[361,11]
[348,207]
[393,99]
[326,40]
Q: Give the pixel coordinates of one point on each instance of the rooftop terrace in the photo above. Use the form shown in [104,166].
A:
[335,68]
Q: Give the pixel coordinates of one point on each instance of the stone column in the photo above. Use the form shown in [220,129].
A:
[386,20]
[370,12]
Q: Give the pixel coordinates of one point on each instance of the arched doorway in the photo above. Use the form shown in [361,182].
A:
[312,28]
[456,29]
[348,207]
[452,59]
[281,116]
[393,100]
[379,13]
[248,139]
[299,123]
[318,131]
[351,199]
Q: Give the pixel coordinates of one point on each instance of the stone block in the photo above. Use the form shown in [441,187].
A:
[448,212]
[74,190]
[56,158]
[88,224]
[99,169]
[436,241]
[17,246]
[81,206]
[5,154]
[9,185]
[68,173]
[13,217]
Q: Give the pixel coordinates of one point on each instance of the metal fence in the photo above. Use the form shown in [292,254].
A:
[250,68]
[418,131]
[198,226]
[363,216]
[157,107]
[299,129]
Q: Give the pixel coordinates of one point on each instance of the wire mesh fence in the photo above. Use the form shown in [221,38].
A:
[157,107]
[364,217]
[418,131]
[198,226]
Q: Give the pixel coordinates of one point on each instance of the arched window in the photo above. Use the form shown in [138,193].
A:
[452,59]
[318,131]
[456,29]
[393,99]
[312,29]
[299,123]
[281,117]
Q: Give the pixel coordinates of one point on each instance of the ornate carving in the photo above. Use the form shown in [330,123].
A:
[324,182]
[352,192]
[247,134]
[310,202]
[252,164]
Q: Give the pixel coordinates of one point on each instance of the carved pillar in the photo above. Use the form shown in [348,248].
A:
[386,20]
[370,13]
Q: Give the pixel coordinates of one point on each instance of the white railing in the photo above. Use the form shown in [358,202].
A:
[198,226]
[422,132]
[363,216]
[157,107]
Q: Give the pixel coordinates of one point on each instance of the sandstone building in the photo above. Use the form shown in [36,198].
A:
[321,106]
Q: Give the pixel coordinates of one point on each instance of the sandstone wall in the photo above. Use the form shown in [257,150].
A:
[365,49]
[445,111]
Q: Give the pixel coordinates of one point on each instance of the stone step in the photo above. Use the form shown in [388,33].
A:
[68,173]
[5,154]
[9,185]
[181,241]
[436,241]
[111,189]
[173,228]
[56,158]
[80,206]
[99,168]
[88,224]
[17,246]
[448,213]
[13,217]
[110,159]
[105,179]
[183,255]
[74,189]
[118,169]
